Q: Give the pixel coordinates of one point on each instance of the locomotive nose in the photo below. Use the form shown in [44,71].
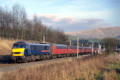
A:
[18,52]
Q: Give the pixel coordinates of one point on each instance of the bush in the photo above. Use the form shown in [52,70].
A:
[110,45]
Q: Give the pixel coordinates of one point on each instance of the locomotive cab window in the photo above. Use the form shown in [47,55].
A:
[19,46]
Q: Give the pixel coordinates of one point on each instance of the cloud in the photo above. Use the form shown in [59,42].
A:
[72,24]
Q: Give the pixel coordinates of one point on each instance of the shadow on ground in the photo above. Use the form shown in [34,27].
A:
[5,59]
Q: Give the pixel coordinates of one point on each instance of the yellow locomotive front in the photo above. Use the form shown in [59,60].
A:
[18,52]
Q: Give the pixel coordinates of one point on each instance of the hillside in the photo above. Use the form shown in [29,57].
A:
[97,32]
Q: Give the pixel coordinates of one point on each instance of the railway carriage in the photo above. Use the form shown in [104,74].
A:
[60,49]
[87,49]
[73,49]
[81,50]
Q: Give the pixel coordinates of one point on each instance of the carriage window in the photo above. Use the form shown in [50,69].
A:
[47,48]
[73,47]
[40,47]
[61,47]
[37,47]
[32,47]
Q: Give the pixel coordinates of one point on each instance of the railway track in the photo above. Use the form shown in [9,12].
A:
[8,66]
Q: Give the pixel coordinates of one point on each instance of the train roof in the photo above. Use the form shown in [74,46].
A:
[39,44]
[87,47]
[59,45]
[22,42]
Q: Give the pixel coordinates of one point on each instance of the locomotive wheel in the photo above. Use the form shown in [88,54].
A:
[28,59]
[32,58]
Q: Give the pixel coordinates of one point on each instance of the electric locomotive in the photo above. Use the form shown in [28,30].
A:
[22,51]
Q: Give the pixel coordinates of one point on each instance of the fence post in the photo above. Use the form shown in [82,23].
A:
[77,46]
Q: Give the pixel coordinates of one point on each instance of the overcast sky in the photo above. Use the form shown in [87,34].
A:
[72,15]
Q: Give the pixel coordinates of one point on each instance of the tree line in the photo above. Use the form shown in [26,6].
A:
[14,24]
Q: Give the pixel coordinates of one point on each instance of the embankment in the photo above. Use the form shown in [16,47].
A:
[91,68]
[5,46]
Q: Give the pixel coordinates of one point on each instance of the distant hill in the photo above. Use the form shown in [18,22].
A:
[97,33]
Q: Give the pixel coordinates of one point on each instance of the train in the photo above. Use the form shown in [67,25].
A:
[27,52]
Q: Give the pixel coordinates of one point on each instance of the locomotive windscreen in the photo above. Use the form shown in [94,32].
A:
[19,46]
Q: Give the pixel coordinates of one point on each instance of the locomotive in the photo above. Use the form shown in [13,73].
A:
[27,52]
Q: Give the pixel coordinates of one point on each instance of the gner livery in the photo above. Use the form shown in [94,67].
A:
[22,51]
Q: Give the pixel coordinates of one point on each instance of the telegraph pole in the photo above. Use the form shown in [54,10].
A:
[43,39]
[99,46]
[92,47]
[70,42]
[82,44]
[77,46]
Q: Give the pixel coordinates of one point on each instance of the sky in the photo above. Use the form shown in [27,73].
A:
[71,15]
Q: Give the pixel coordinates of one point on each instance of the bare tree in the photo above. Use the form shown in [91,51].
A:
[14,24]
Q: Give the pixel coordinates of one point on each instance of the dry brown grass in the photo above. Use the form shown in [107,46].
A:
[5,46]
[63,70]
[112,75]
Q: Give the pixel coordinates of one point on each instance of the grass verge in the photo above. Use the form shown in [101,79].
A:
[94,68]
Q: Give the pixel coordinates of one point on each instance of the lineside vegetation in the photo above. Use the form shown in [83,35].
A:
[110,45]
[91,68]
